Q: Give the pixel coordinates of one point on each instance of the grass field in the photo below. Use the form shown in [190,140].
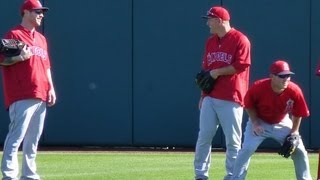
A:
[139,165]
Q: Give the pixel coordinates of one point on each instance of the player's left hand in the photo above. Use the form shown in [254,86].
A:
[205,81]
[289,145]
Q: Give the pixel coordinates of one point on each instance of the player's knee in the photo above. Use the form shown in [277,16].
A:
[204,138]
[248,149]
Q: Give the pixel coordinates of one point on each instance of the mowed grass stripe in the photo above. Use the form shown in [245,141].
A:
[143,165]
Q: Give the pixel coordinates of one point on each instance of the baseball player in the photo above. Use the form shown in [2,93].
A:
[28,89]
[269,104]
[227,57]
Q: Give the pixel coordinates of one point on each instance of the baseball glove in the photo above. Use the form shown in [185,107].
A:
[11,47]
[205,81]
[289,146]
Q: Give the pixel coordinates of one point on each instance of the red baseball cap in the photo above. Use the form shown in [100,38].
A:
[280,67]
[32,5]
[217,12]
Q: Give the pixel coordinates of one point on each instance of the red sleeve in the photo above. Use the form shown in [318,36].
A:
[249,98]
[47,63]
[300,108]
[243,60]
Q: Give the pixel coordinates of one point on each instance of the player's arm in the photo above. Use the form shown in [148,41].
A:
[241,64]
[51,94]
[257,129]
[7,61]
[252,115]
[296,121]
[24,55]
[300,110]
[227,70]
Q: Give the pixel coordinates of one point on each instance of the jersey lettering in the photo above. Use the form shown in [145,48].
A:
[219,56]
[38,51]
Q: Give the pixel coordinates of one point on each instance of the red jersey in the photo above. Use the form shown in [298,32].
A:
[27,79]
[232,49]
[272,107]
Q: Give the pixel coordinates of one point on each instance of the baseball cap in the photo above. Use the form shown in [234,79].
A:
[217,12]
[32,5]
[280,67]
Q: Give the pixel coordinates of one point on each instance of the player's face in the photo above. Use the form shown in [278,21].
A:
[35,17]
[213,24]
[280,81]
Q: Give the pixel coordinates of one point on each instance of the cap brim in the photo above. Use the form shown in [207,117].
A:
[285,72]
[208,17]
[43,9]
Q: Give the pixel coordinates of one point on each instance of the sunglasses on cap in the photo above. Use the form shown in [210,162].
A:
[283,76]
[212,15]
[38,11]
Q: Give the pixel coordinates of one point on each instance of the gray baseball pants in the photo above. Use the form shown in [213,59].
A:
[214,113]
[26,124]
[277,132]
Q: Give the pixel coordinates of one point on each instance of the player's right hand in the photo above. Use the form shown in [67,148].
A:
[25,53]
[257,129]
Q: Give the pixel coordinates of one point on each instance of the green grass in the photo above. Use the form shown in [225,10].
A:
[109,165]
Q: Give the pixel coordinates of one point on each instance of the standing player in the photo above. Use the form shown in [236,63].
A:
[28,89]
[227,56]
[269,103]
